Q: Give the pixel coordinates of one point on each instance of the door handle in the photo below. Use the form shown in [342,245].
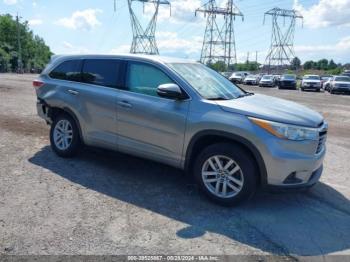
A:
[124,104]
[73,92]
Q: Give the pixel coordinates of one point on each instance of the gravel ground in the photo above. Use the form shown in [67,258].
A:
[108,203]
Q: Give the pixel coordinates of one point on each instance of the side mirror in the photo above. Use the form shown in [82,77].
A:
[172,91]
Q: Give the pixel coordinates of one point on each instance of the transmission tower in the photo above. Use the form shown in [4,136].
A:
[219,41]
[144,41]
[281,51]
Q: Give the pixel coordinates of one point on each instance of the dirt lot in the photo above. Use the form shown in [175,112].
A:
[109,203]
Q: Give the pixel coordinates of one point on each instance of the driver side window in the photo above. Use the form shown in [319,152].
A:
[145,79]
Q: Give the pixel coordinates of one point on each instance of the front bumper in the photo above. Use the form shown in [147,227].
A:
[311,87]
[267,84]
[292,164]
[314,178]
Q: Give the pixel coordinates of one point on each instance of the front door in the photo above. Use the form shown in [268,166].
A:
[148,125]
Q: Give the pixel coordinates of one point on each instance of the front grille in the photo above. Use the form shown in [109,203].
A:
[321,141]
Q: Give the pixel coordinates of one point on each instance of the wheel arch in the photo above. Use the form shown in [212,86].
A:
[208,137]
[56,111]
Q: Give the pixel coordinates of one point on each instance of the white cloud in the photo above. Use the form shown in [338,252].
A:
[325,13]
[34,22]
[171,42]
[85,20]
[342,46]
[71,49]
[182,11]
[10,2]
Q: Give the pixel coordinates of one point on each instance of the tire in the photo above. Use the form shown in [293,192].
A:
[246,175]
[70,146]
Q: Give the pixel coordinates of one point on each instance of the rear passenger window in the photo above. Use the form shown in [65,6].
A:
[68,70]
[103,72]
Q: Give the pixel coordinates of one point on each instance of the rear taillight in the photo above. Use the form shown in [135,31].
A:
[37,84]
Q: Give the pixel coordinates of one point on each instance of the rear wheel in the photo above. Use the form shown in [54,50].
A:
[64,136]
[226,173]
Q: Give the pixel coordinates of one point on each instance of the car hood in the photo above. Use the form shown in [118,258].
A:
[341,83]
[273,109]
[266,80]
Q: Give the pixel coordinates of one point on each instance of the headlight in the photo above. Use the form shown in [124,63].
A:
[285,131]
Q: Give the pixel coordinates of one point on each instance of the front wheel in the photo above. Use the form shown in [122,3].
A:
[64,136]
[226,173]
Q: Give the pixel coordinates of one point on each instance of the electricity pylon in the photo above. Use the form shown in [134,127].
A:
[281,51]
[219,41]
[144,41]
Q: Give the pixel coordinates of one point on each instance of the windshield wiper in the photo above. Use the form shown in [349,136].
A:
[217,98]
[245,94]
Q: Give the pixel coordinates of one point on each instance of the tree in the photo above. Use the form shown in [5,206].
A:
[35,53]
[218,66]
[332,65]
[308,65]
[295,64]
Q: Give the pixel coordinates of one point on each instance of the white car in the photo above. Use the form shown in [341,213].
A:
[311,82]
[237,77]
[340,84]
[251,80]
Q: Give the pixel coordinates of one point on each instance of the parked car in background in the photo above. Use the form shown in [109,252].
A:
[183,114]
[251,80]
[237,77]
[226,74]
[327,84]
[311,82]
[267,81]
[340,84]
[287,82]
[324,80]
[346,73]
[277,78]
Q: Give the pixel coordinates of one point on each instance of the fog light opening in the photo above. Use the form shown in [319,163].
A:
[292,179]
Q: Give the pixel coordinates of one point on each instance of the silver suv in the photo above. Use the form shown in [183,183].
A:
[183,114]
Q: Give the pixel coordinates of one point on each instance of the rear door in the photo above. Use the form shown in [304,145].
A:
[148,125]
[101,78]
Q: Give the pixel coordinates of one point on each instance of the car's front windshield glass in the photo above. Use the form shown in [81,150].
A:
[342,79]
[267,77]
[208,83]
[289,77]
[312,77]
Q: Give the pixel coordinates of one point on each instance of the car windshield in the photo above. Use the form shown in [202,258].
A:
[251,76]
[289,77]
[342,79]
[312,77]
[208,83]
[267,77]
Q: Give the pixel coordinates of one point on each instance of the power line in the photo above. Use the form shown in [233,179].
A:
[281,50]
[144,41]
[219,41]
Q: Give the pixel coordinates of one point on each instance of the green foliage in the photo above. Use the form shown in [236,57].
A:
[35,53]
[251,66]
[324,65]
[296,64]
[219,66]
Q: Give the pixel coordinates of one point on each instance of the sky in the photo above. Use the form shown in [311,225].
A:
[92,26]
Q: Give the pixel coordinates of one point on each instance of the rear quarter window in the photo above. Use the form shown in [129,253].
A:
[68,70]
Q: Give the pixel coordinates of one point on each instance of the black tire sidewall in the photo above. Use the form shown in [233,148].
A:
[74,146]
[242,158]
